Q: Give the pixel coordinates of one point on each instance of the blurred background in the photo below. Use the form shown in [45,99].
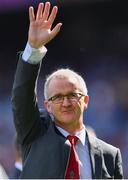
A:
[94,42]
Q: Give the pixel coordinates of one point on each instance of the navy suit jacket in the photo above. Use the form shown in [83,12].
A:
[45,151]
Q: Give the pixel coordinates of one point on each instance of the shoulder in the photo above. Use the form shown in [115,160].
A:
[105,147]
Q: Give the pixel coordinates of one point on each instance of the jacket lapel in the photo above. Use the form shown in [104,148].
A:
[96,157]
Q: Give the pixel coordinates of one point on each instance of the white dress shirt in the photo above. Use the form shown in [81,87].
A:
[34,56]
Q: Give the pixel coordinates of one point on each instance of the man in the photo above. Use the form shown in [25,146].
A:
[55,143]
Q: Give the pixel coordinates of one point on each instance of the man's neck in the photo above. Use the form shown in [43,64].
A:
[70,128]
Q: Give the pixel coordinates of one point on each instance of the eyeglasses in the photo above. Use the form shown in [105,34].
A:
[72,97]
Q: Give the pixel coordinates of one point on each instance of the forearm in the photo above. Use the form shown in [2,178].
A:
[24,103]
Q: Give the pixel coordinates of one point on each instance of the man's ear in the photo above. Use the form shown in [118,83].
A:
[47,106]
[86,100]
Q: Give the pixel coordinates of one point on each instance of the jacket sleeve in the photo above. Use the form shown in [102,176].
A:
[24,101]
[118,166]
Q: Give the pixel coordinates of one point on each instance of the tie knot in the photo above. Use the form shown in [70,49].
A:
[72,139]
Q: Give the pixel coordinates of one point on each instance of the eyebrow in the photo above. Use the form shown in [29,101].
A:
[64,94]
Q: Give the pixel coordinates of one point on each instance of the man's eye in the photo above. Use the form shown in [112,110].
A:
[73,95]
[57,97]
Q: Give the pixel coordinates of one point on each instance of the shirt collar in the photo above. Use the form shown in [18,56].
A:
[80,134]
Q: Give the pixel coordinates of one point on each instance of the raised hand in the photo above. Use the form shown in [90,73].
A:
[40,28]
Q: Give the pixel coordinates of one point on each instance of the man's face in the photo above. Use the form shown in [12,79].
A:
[69,110]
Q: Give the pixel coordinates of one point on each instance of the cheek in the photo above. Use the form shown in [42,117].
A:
[54,109]
[81,107]
[77,107]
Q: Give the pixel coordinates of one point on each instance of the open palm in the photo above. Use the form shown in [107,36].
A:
[40,32]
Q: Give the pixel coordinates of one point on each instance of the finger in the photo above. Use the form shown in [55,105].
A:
[31,14]
[52,15]
[55,30]
[39,11]
[46,11]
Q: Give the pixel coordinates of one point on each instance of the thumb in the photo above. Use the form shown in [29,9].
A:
[56,30]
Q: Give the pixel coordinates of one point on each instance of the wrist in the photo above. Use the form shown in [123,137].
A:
[33,55]
[35,45]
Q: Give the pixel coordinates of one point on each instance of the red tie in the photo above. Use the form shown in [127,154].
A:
[73,168]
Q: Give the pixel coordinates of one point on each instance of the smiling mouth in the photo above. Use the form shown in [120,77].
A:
[68,111]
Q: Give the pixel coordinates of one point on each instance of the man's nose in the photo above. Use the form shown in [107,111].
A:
[66,101]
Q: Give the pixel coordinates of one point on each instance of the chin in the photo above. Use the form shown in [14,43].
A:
[67,120]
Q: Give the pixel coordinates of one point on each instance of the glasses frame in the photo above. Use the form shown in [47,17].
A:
[78,97]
